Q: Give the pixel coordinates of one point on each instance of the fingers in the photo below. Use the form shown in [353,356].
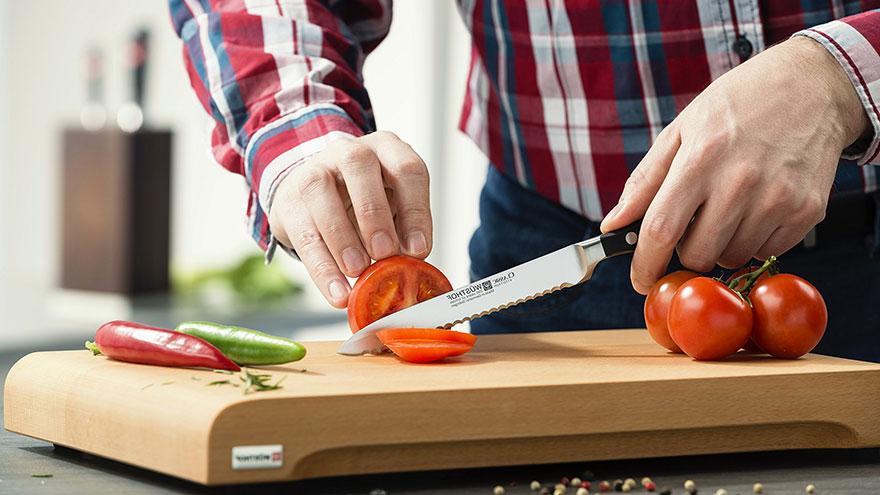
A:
[665,221]
[709,233]
[752,233]
[407,175]
[644,182]
[322,266]
[320,195]
[360,169]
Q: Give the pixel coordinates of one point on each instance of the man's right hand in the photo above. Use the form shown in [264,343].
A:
[356,200]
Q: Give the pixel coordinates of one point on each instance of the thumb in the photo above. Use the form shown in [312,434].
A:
[644,182]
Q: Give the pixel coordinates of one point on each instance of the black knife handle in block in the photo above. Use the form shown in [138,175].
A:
[622,240]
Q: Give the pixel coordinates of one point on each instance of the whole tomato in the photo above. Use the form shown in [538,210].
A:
[790,316]
[707,320]
[657,307]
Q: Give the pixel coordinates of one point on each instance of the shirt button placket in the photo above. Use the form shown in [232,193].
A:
[742,47]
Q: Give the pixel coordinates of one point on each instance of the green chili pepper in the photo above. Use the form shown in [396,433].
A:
[243,345]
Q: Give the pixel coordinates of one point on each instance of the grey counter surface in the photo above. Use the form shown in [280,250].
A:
[838,472]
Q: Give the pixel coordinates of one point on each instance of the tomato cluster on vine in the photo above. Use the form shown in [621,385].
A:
[757,308]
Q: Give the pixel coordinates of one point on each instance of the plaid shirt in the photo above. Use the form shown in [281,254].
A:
[565,97]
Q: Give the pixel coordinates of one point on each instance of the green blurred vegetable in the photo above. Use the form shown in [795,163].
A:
[251,280]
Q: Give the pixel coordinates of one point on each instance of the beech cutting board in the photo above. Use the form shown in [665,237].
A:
[515,399]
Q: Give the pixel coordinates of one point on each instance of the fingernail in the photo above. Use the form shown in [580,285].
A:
[353,259]
[382,245]
[337,290]
[416,242]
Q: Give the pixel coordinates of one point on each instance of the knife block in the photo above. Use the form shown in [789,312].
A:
[116,199]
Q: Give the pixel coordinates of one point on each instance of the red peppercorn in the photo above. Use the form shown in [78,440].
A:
[604,486]
[586,484]
[564,480]
[650,486]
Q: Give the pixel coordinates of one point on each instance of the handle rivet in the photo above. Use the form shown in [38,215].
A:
[631,238]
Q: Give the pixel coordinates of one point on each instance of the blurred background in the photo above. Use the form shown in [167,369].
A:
[49,50]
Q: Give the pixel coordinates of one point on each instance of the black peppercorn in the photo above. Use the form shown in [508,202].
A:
[618,485]
[666,491]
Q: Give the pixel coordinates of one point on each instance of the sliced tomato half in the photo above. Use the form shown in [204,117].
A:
[390,285]
[436,334]
[427,350]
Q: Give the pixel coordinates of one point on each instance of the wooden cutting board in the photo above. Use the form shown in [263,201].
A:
[515,399]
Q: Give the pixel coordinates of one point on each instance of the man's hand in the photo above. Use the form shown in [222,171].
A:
[746,169]
[358,199]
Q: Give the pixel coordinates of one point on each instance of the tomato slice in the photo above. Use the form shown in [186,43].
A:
[390,285]
[434,334]
[427,350]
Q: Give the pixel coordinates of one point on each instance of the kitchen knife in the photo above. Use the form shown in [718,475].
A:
[563,268]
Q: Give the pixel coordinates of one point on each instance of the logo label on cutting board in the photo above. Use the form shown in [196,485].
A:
[257,456]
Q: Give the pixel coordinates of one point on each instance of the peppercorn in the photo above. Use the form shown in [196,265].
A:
[559,486]
[559,492]
[689,485]
[811,489]
[378,491]
[666,491]
[693,491]
[645,480]
[650,486]
[544,491]
[629,481]
[604,486]
[535,486]
[583,491]
[586,484]
[758,488]
[575,482]
[618,485]
[626,488]
[564,480]
[721,491]
[499,490]
[588,475]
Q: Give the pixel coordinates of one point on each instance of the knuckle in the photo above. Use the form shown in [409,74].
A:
[732,258]
[307,240]
[660,229]
[636,178]
[696,258]
[710,147]
[411,167]
[336,230]
[372,209]
[312,181]
[417,213]
[355,155]
[386,135]
[324,269]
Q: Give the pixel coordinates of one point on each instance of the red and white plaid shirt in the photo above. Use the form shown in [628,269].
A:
[565,97]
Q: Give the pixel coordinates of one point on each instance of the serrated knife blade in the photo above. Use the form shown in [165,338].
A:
[555,271]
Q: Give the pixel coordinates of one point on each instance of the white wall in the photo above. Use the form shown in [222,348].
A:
[4,236]
[416,79]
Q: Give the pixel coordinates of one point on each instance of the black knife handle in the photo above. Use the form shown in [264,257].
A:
[622,240]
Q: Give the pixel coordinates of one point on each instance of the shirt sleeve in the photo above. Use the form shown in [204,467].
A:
[281,79]
[855,43]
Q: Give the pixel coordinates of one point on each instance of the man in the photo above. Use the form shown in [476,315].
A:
[729,151]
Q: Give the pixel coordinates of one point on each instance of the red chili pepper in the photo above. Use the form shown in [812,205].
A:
[136,343]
